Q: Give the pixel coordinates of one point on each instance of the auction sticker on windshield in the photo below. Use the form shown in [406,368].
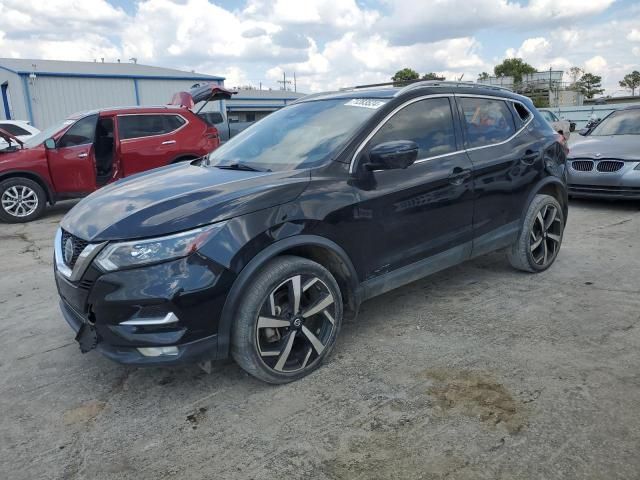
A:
[365,103]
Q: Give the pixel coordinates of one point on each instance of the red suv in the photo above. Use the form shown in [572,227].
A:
[89,150]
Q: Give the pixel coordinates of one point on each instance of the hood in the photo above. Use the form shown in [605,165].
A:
[624,147]
[201,93]
[176,198]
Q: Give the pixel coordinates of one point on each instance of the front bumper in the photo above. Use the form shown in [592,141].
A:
[621,184]
[172,305]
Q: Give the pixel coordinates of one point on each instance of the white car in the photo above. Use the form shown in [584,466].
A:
[19,128]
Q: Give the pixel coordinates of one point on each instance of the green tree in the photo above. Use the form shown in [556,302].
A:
[631,81]
[432,76]
[405,75]
[483,76]
[590,85]
[513,67]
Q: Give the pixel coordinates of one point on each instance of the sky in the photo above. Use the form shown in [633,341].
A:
[330,43]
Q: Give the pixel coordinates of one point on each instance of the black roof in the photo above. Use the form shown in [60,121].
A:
[412,89]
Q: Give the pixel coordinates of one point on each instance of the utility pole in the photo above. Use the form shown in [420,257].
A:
[284,81]
[295,86]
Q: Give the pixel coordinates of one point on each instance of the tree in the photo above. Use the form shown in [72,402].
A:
[631,81]
[590,85]
[483,76]
[575,73]
[405,75]
[432,76]
[513,67]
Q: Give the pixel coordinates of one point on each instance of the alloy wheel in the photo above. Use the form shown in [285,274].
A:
[19,201]
[546,235]
[295,324]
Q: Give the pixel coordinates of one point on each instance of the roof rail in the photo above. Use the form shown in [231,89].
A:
[444,83]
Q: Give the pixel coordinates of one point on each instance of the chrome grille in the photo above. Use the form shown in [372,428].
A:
[609,166]
[78,247]
[582,165]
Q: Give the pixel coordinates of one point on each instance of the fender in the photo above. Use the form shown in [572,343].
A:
[548,181]
[247,273]
[33,176]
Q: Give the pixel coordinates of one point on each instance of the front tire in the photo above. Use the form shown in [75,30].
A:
[540,239]
[288,320]
[21,200]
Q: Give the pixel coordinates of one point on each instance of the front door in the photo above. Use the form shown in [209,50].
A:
[71,162]
[426,209]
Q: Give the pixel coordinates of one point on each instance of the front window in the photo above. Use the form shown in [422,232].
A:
[299,136]
[622,122]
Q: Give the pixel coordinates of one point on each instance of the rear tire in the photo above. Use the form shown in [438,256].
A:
[21,200]
[287,321]
[540,238]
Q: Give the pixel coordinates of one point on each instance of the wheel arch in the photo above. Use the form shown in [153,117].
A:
[31,176]
[318,249]
[550,186]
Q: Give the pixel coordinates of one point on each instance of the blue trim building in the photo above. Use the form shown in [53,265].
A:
[250,105]
[47,91]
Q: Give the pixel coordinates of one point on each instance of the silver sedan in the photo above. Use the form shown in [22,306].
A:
[605,162]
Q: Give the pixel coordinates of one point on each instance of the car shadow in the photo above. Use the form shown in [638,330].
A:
[622,205]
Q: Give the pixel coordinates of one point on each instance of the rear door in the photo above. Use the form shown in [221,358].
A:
[71,163]
[148,141]
[427,208]
[507,161]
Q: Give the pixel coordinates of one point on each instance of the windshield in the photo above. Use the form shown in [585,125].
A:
[47,133]
[298,136]
[622,122]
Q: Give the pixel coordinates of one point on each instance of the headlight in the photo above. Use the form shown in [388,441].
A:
[152,250]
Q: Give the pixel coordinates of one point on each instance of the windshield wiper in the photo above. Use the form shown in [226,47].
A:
[242,166]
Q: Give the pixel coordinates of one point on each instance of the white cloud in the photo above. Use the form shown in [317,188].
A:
[597,64]
[328,43]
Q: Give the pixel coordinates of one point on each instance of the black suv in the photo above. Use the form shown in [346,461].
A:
[261,249]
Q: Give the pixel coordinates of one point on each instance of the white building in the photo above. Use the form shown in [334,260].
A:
[47,91]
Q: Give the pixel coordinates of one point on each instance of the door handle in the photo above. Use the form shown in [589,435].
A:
[459,175]
[83,155]
[168,142]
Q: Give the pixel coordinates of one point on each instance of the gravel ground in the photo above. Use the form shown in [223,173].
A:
[477,372]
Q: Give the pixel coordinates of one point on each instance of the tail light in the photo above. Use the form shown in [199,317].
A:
[212,134]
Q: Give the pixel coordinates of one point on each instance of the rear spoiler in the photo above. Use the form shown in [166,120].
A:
[201,93]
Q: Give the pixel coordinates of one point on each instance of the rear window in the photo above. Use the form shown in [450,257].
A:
[13,129]
[212,118]
[487,121]
[140,126]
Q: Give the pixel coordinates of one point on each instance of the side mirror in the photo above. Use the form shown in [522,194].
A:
[393,155]
[50,144]
[572,126]
[583,131]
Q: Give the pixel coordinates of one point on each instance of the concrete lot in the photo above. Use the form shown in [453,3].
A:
[477,372]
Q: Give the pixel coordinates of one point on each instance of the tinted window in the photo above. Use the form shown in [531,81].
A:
[623,122]
[487,121]
[138,126]
[13,129]
[81,133]
[523,113]
[211,118]
[429,123]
